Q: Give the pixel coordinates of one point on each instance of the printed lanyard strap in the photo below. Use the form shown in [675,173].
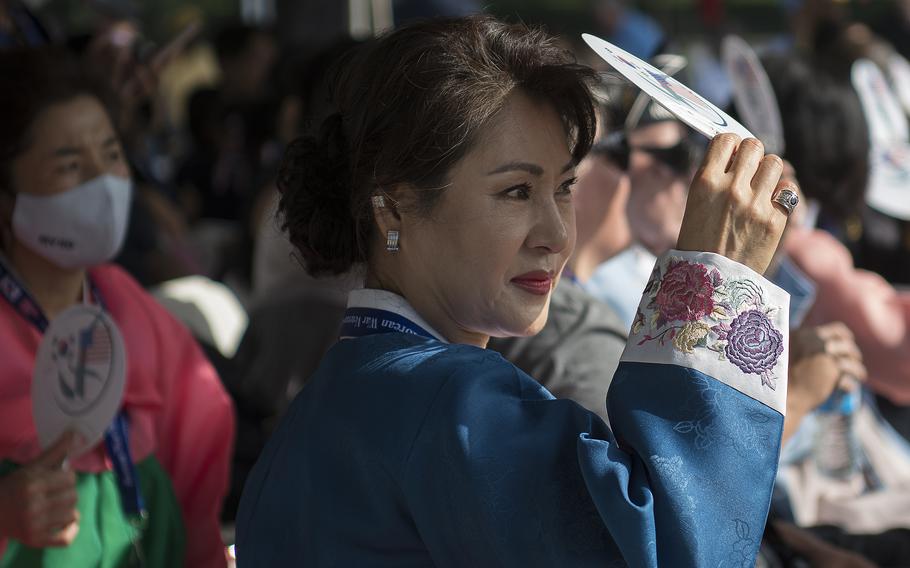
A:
[116,437]
[117,441]
[19,298]
[359,322]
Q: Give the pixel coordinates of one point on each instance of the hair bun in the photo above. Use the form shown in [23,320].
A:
[316,200]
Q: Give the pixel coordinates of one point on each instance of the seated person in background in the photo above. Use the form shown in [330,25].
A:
[844,465]
[876,313]
[844,474]
[231,125]
[827,142]
[660,167]
[831,162]
[819,358]
[63,172]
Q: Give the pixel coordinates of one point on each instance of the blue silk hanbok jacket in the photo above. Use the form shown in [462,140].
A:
[404,450]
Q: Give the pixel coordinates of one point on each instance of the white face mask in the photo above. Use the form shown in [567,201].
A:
[79,227]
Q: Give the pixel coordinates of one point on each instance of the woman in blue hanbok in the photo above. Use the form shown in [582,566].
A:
[448,173]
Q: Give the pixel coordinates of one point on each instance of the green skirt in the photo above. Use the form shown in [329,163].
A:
[107,538]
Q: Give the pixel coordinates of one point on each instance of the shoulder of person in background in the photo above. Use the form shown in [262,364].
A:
[620,280]
[872,308]
[576,353]
[817,252]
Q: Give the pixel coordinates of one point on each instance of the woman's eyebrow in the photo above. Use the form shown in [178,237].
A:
[532,169]
[66,151]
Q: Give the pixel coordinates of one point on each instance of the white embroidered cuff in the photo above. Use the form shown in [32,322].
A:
[706,312]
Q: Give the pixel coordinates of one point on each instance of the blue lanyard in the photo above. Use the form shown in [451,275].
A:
[117,441]
[359,322]
[116,437]
[19,298]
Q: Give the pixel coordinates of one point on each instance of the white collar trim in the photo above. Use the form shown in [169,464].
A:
[389,301]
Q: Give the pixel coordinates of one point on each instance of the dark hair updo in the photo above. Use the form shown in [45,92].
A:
[410,105]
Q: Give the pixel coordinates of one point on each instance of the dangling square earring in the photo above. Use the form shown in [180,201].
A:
[391,243]
[378,201]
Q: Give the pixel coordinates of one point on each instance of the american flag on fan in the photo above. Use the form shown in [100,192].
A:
[95,342]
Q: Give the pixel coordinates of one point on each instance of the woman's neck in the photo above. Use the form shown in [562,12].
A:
[433,313]
[54,288]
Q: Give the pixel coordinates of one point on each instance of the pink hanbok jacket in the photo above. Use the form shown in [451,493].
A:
[177,406]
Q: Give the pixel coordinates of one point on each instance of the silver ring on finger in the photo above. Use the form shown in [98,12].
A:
[786,198]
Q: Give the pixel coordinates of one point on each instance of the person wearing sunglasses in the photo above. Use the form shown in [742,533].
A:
[659,157]
[615,148]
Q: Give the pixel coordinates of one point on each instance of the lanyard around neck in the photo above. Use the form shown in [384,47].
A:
[360,322]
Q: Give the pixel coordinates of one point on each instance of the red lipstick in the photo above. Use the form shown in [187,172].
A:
[538,282]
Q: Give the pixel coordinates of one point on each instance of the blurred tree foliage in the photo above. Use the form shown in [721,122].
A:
[163,16]
[680,18]
[159,19]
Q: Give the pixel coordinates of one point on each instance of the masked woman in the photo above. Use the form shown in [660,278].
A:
[65,192]
[448,171]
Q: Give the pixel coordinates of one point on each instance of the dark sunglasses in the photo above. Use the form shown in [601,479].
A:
[680,158]
[615,148]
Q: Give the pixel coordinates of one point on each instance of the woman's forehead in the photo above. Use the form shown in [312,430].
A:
[79,121]
[523,131]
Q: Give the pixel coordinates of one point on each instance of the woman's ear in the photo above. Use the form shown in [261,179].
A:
[387,213]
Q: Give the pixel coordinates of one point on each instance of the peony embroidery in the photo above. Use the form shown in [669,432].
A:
[754,345]
[686,292]
[691,306]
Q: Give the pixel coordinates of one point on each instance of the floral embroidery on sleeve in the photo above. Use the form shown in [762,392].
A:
[692,307]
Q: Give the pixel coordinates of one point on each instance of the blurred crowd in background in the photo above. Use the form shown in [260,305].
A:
[207,95]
